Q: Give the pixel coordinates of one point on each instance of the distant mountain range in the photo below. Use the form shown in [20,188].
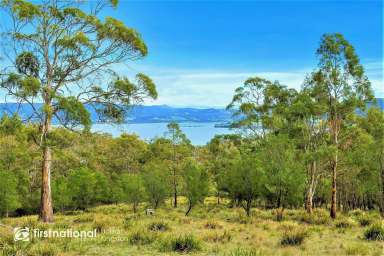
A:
[155,113]
[142,114]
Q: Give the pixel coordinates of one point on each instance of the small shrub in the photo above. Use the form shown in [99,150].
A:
[61,225]
[357,250]
[9,250]
[375,233]
[141,237]
[181,244]
[103,222]
[212,225]
[245,252]
[44,249]
[185,220]
[84,218]
[217,237]
[129,221]
[365,220]
[6,237]
[99,226]
[314,219]
[158,226]
[293,236]
[30,222]
[343,223]
[356,213]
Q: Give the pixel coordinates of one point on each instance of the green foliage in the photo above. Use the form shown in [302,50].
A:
[113,29]
[284,172]
[27,64]
[133,189]
[375,232]
[61,193]
[10,125]
[74,111]
[82,183]
[196,183]
[244,181]
[9,199]
[155,179]
[86,188]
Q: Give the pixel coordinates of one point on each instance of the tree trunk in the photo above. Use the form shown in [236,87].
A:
[311,188]
[248,207]
[189,209]
[175,198]
[174,188]
[46,210]
[279,213]
[333,199]
[309,202]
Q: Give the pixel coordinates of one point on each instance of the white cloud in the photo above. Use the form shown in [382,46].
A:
[374,70]
[194,87]
[208,88]
[215,88]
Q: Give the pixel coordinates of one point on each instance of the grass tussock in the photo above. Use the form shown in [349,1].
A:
[357,249]
[102,223]
[375,233]
[141,237]
[218,237]
[245,252]
[365,220]
[293,235]
[181,244]
[211,224]
[344,223]
[318,217]
[44,249]
[160,226]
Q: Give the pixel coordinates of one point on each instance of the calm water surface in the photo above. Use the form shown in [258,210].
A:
[198,133]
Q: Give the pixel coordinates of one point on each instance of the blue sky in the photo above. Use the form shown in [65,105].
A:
[200,51]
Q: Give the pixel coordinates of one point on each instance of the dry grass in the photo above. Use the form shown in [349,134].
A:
[209,230]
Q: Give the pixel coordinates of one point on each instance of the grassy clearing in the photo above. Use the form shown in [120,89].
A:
[209,230]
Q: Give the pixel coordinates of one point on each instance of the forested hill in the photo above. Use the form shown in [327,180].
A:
[156,113]
[144,114]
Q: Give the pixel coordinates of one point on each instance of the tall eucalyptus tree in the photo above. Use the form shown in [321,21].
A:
[342,86]
[63,56]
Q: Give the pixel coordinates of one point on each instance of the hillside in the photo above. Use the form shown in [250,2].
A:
[155,113]
[143,114]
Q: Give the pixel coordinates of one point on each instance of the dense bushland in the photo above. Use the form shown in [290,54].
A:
[93,169]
